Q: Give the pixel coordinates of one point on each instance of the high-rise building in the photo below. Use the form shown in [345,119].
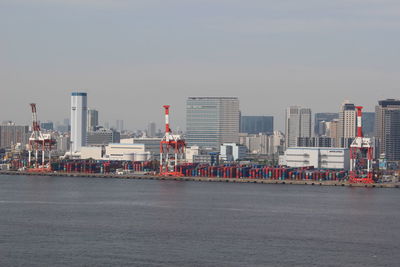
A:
[11,134]
[387,128]
[319,118]
[278,142]
[347,125]
[298,124]
[63,142]
[211,121]
[257,124]
[92,120]
[368,123]
[78,120]
[332,132]
[151,129]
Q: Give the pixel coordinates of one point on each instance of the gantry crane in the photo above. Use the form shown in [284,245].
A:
[39,142]
[361,155]
[172,149]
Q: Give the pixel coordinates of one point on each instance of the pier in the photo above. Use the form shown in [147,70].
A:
[204,179]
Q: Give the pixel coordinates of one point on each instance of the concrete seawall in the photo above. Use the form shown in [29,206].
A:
[205,179]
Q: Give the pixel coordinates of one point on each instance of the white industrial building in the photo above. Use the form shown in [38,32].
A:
[131,149]
[131,152]
[190,152]
[78,120]
[232,152]
[151,144]
[317,157]
[196,154]
[126,152]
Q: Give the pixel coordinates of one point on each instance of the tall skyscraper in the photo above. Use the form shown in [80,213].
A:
[298,124]
[323,117]
[347,124]
[387,128]
[78,120]
[368,123]
[257,124]
[151,129]
[211,121]
[92,120]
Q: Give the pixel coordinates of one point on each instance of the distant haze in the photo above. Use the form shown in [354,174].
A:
[134,56]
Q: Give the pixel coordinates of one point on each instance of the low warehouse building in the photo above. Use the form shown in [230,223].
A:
[317,157]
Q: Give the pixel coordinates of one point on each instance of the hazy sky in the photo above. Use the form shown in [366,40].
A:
[133,56]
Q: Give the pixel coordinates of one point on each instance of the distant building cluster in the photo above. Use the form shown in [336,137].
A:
[217,131]
[11,134]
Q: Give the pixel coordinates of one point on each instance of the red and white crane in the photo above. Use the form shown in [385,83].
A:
[172,149]
[39,142]
[361,155]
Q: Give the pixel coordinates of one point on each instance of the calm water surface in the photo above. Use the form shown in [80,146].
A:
[47,221]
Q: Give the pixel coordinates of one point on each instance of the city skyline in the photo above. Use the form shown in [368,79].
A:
[199,132]
[269,54]
[279,120]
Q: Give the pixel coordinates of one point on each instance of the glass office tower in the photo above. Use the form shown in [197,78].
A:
[211,121]
[257,124]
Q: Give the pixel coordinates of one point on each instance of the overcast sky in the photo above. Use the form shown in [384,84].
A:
[134,56]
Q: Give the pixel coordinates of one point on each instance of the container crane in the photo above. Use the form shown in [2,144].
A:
[361,155]
[39,142]
[172,149]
